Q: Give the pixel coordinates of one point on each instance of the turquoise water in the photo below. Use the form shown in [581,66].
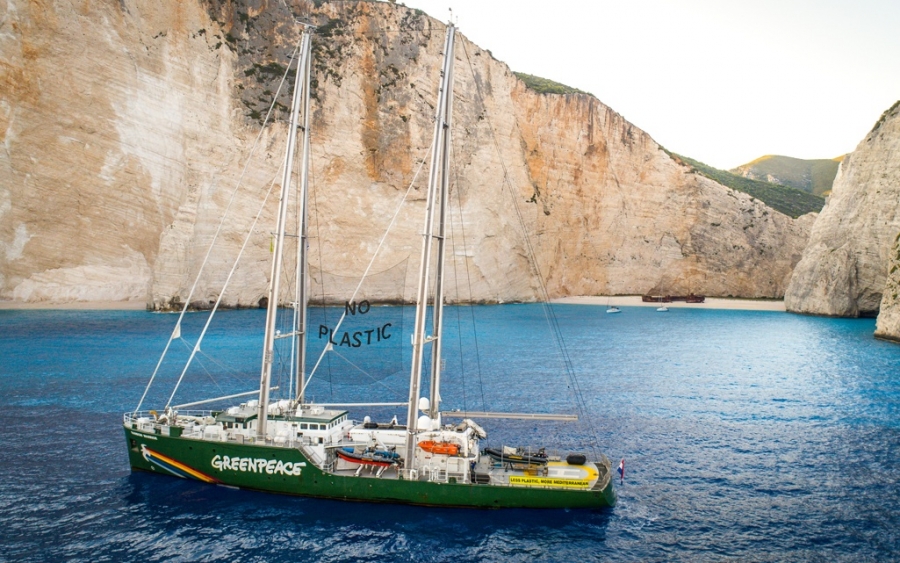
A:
[748,436]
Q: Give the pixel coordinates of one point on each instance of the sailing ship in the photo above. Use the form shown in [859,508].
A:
[295,447]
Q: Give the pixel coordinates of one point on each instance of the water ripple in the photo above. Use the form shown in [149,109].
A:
[747,437]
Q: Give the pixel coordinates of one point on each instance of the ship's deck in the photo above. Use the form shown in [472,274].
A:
[486,470]
[479,468]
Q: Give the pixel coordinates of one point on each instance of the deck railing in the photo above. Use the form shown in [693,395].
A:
[201,425]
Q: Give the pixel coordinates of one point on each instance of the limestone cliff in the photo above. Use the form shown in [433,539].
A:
[888,324]
[113,116]
[125,126]
[844,267]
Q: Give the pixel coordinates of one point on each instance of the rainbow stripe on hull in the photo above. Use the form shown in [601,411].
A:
[175,467]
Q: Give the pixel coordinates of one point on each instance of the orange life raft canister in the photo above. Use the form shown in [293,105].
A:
[445,448]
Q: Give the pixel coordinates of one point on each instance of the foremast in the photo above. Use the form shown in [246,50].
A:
[433,236]
[300,98]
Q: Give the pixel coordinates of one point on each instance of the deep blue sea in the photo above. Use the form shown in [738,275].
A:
[747,436]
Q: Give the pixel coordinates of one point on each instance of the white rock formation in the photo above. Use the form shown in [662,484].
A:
[111,114]
[125,127]
[845,265]
[888,324]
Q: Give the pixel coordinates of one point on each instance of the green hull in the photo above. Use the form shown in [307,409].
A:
[287,471]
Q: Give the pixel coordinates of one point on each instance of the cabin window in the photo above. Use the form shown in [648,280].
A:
[304,426]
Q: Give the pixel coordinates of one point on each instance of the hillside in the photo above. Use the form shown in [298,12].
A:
[790,201]
[812,176]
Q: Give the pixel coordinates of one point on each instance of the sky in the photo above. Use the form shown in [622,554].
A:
[720,81]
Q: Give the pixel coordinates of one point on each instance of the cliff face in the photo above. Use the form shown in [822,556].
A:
[844,267]
[888,324]
[126,125]
[111,116]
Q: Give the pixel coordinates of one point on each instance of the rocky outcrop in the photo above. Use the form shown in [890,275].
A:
[844,267]
[126,126]
[888,324]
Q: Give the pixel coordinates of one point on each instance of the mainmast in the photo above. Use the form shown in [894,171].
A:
[437,179]
[303,240]
[437,313]
[301,93]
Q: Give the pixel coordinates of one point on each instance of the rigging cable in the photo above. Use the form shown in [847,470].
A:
[328,346]
[462,226]
[319,238]
[550,316]
[176,332]
[237,260]
[221,294]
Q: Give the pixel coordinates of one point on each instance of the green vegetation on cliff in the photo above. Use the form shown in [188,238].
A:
[884,116]
[546,86]
[790,201]
[813,176]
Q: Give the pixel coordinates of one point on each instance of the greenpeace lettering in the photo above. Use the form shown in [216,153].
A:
[257,465]
[357,338]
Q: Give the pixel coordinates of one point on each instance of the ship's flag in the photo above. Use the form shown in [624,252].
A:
[622,470]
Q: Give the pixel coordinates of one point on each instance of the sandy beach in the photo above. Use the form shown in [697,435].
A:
[710,303]
[76,305]
[619,301]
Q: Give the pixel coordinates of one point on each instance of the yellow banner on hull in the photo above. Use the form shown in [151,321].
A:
[548,482]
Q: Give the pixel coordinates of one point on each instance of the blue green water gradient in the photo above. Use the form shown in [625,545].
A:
[750,436]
